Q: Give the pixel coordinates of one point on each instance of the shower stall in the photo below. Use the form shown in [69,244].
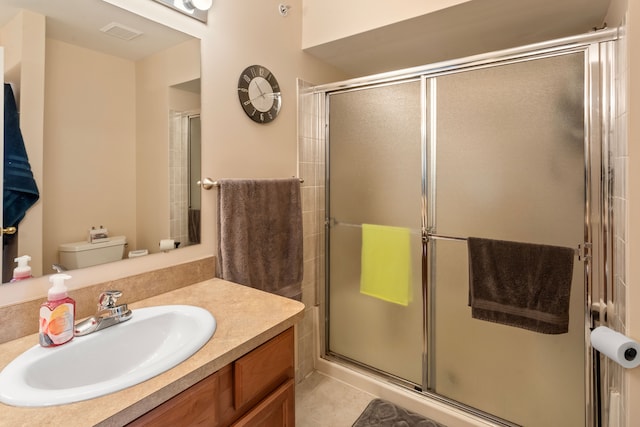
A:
[506,146]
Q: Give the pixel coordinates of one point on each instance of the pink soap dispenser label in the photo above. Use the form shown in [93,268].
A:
[56,326]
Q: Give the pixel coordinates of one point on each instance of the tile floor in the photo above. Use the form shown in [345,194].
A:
[322,401]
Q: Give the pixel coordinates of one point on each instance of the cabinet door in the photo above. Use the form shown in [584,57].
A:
[277,410]
[262,370]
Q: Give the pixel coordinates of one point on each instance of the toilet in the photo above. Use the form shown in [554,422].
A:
[84,254]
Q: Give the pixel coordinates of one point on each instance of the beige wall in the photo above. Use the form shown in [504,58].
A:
[241,34]
[89,146]
[183,100]
[329,20]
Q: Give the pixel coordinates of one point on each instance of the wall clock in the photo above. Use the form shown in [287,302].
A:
[259,94]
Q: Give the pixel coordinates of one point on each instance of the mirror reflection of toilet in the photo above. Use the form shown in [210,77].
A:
[84,254]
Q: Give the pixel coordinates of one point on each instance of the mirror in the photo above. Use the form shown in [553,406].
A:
[109,107]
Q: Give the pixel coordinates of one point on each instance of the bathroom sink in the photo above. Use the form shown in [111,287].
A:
[153,341]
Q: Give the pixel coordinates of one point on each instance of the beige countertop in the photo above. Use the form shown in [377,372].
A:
[245,319]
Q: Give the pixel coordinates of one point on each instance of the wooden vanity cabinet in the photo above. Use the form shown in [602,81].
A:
[256,390]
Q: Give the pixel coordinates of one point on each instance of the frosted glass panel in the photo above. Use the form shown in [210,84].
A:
[510,165]
[375,178]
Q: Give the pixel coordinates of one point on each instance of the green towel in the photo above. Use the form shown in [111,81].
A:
[386,263]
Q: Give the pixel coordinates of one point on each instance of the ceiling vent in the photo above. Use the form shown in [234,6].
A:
[120,31]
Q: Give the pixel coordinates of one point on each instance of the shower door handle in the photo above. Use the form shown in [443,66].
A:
[598,313]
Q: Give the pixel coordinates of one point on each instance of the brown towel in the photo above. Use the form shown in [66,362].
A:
[260,229]
[520,284]
[193,222]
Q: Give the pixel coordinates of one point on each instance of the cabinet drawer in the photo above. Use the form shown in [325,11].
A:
[277,410]
[261,371]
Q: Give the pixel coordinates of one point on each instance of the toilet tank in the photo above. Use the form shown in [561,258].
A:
[84,254]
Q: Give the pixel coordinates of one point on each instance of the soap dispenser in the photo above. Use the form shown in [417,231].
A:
[23,270]
[57,314]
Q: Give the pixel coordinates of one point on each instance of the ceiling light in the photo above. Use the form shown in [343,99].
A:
[198,4]
[198,9]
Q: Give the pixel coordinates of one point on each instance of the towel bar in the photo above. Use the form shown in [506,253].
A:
[581,251]
[217,184]
[444,237]
[332,222]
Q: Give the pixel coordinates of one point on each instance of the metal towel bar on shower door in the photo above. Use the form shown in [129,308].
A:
[332,222]
[581,251]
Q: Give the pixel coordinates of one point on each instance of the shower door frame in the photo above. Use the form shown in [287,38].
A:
[597,249]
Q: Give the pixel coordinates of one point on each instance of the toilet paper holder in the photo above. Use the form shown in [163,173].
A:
[630,354]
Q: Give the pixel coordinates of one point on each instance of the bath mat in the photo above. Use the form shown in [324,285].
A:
[380,413]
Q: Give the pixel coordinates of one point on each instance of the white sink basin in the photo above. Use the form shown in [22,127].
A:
[154,340]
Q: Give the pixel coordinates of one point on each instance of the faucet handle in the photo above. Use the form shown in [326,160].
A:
[108,299]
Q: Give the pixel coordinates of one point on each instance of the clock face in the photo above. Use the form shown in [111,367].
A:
[259,94]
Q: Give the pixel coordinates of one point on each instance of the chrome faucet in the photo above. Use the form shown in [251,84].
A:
[108,314]
[58,268]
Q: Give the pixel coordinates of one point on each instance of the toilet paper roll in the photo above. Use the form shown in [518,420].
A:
[167,244]
[615,346]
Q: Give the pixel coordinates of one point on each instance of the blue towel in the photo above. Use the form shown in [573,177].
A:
[20,189]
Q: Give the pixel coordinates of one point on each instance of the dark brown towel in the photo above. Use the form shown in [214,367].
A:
[520,284]
[260,234]
[193,222]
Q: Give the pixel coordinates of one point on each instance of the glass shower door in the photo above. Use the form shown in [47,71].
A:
[375,178]
[510,165]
